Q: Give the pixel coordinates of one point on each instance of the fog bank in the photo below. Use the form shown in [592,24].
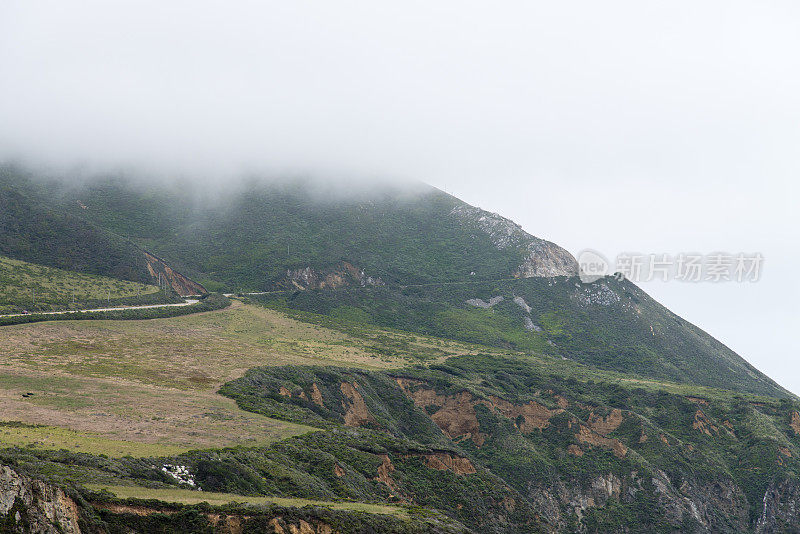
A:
[658,127]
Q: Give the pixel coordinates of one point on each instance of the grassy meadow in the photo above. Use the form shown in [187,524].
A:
[183,496]
[22,283]
[144,388]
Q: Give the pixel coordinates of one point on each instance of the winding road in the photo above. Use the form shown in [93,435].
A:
[187,302]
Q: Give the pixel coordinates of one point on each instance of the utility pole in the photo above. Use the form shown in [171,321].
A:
[33,292]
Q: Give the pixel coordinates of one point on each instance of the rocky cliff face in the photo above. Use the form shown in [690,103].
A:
[32,506]
[161,272]
[343,275]
[780,510]
[541,258]
[546,259]
[533,455]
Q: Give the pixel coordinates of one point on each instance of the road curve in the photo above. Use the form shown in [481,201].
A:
[187,302]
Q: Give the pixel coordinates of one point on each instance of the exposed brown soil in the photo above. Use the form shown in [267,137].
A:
[356,413]
[316,394]
[444,461]
[703,424]
[795,423]
[575,450]
[228,524]
[534,415]
[588,436]
[457,418]
[727,424]
[698,400]
[179,283]
[385,471]
[338,471]
[456,414]
[605,425]
[301,527]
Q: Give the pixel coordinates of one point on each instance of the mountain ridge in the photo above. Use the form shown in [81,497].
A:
[564,407]
[412,258]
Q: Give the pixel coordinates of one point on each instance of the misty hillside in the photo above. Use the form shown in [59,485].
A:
[265,235]
[415,362]
[35,228]
[31,231]
[411,258]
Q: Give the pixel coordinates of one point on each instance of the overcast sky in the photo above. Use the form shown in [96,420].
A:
[657,127]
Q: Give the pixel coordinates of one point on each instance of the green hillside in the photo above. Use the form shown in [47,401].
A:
[402,257]
[33,231]
[247,237]
[506,432]
[36,287]
[416,365]
[610,324]
[379,431]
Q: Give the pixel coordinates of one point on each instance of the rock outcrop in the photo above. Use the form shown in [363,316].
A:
[356,411]
[780,506]
[542,258]
[163,273]
[343,275]
[29,505]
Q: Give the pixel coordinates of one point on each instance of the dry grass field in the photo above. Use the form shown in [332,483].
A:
[150,387]
[182,496]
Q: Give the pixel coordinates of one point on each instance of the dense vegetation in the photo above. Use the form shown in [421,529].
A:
[611,324]
[567,406]
[429,261]
[583,456]
[32,231]
[725,439]
[265,228]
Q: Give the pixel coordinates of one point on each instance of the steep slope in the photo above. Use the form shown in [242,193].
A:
[31,232]
[408,257]
[263,235]
[609,323]
[34,228]
[503,448]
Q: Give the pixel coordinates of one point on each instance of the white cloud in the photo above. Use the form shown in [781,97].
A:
[652,126]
